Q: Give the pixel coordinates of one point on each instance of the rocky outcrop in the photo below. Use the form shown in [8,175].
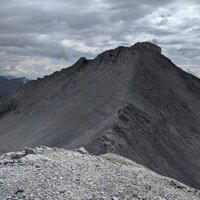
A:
[149,46]
[6,107]
[52,173]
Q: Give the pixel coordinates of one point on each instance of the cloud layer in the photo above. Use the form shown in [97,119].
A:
[39,37]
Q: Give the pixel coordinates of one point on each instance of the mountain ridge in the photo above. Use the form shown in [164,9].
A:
[131,100]
[9,84]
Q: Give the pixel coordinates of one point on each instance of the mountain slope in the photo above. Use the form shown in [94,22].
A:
[52,173]
[131,101]
[9,84]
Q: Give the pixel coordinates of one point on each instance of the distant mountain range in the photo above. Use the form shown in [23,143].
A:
[132,101]
[9,84]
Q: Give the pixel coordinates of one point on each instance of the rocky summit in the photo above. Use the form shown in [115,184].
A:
[52,173]
[131,101]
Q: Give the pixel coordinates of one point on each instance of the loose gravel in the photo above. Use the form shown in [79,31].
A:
[57,174]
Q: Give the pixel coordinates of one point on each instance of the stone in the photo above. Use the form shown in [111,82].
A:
[29,151]
[19,190]
[82,150]
[47,183]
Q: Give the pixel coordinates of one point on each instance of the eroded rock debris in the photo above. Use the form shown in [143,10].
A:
[53,173]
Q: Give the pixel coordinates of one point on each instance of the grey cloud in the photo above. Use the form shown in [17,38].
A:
[191,53]
[62,31]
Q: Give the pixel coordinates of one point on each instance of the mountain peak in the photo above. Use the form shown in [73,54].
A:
[130,100]
[148,45]
[113,54]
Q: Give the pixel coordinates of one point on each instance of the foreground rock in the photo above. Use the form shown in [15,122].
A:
[52,173]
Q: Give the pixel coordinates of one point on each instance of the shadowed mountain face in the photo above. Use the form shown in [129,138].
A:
[131,101]
[9,84]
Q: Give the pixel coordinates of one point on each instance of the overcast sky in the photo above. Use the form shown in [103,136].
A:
[38,37]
